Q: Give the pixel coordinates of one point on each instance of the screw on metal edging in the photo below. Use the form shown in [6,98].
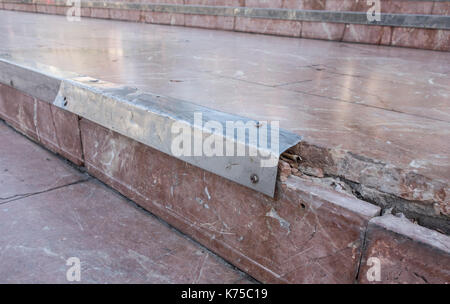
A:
[254,178]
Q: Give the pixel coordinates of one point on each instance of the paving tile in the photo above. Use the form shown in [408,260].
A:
[115,242]
[368,92]
[26,168]
[405,253]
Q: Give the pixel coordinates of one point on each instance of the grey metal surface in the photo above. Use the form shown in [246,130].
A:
[387,19]
[38,80]
[148,118]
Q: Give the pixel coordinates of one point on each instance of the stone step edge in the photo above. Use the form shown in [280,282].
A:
[396,250]
[154,116]
[395,226]
[441,22]
[20,73]
[351,213]
[420,234]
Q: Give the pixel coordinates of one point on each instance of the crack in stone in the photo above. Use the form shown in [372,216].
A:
[362,250]
[421,277]
[25,195]
[81,140]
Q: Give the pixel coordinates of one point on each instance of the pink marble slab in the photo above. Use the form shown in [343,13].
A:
[126,15]
[404,253]
[233,3]
[163,18]
[264,3]
[421,38]
[102,13]
[441,8]
[114,241]
[323,30]
[312,30]
[268,26]
[55,128]
[211,22]
[368,34]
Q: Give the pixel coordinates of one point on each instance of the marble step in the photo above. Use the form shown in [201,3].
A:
[417,25]
[308,234]
[344,100]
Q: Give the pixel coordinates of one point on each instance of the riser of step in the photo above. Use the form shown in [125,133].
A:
[387,6]
[434,36]
[425,20]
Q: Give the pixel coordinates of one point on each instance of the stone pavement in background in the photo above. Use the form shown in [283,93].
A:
[49,212]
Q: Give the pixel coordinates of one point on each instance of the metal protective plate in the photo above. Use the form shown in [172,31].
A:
[149,118]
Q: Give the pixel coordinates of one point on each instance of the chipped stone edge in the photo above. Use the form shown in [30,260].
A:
[365,209]
[320,162]
[417,233]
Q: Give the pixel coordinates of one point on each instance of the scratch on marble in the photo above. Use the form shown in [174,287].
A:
[207,193]
[283,223]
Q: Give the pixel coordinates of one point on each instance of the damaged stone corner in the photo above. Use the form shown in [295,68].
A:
[322,166]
